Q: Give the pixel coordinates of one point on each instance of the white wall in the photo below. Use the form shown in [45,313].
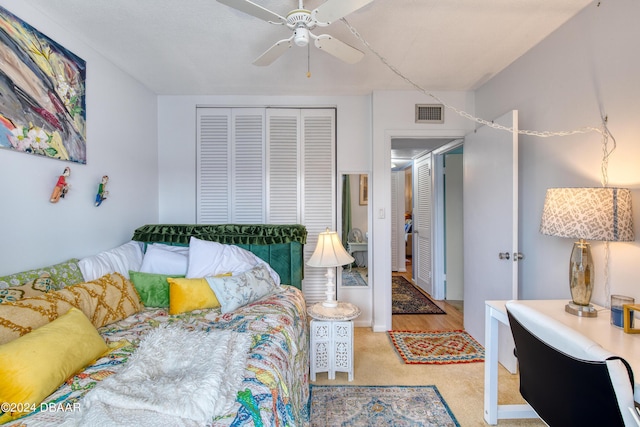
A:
[121,143]
[587,68]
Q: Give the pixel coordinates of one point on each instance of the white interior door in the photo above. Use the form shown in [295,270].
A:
[422,223]
[398,250]
[490,205]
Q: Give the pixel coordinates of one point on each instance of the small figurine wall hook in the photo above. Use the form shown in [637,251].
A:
[61,188]
[102,190]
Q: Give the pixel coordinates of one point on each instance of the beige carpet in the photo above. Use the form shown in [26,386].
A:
[461,385]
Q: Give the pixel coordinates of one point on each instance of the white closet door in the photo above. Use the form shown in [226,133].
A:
[318,190]
[248,173]
[270,165]
[213,166]
[230,165]
[283,166]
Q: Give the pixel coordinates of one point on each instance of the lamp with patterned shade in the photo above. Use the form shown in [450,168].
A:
[586,214]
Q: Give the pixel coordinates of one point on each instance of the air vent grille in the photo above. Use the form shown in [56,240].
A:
[429,113]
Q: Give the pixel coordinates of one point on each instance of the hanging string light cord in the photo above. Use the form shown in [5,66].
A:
[603,131]
[604,179]
[466,115]
[606,152]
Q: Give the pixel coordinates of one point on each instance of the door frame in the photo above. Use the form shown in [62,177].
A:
[390,134]
[439,235]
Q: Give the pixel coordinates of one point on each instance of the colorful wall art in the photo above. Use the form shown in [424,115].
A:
[42,94]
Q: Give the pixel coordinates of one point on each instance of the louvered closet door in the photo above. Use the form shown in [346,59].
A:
[248,173]
[230,165]
[285,177]
[213,166]
[301,180]
[283,166]
[318,190]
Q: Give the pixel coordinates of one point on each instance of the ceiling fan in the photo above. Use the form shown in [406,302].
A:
[301,21]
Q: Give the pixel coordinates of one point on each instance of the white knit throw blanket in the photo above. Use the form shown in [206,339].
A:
[175,377]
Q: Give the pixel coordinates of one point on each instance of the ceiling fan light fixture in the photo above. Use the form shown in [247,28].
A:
[301,36]
[302,22]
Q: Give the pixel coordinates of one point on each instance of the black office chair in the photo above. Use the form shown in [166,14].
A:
[568,379]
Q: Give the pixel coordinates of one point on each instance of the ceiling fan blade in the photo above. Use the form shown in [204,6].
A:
[339,49]
[253,9]
[332,10]
[273,53]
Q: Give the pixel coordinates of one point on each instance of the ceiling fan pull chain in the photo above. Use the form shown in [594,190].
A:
[308,61]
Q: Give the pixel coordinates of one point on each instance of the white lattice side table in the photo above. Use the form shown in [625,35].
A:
[332,339]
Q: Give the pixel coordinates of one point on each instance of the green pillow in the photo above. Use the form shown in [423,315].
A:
[153,288]
[63,274]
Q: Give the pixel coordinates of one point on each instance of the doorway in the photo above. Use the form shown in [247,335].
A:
[433,215]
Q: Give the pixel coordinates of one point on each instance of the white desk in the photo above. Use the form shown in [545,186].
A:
[597,329]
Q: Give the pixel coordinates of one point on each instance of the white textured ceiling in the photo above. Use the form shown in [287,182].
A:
[202,47]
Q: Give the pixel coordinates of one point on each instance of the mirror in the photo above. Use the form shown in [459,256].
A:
[355,228]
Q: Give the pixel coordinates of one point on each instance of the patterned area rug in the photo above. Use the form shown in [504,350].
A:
[372,406]
[352,278]
[436,348]
[406,299]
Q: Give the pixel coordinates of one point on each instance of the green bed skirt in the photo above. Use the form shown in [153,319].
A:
[279,245]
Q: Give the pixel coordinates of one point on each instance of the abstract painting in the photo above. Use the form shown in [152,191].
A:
[42,94]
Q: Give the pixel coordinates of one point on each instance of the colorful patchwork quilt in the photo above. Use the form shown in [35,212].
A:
[275,386]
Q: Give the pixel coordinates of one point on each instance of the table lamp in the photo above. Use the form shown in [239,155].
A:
[329,253]
[586,214]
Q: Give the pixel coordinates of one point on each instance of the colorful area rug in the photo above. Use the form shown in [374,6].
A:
[372,406]
[436,348]
[406,299]
[352,278]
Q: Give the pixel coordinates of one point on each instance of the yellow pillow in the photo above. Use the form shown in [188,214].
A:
[36,364]
[190,294]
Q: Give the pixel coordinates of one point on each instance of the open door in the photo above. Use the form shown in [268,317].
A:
[490,169]
[422,223]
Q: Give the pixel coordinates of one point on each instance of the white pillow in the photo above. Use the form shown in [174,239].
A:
[212,258]
[117,260]
[234,292]
[173,248]
[165,259]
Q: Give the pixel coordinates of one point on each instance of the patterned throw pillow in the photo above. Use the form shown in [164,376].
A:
[104,300]
[64,274]
[33,288]
[234,292]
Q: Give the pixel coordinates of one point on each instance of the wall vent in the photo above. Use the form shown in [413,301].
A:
[429,113]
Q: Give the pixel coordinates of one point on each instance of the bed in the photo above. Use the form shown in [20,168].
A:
[273,386]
